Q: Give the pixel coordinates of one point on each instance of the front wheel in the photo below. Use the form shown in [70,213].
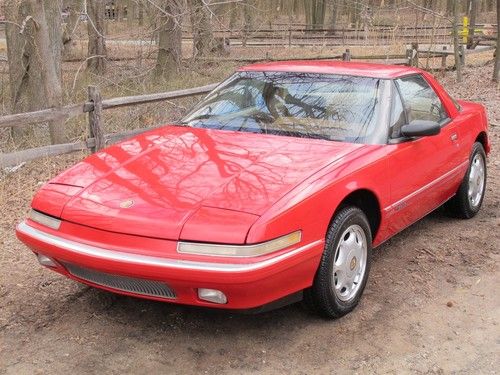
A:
[345,264]
[469,197]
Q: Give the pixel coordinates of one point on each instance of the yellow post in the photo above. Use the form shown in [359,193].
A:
[465,30]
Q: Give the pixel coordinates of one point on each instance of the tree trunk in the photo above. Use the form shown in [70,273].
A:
[75,7]
[140,13]
[490,5]
[428,4]
[450,6]
[170,39]
[319,14]
[202,28]
[233,15]
[496,69]
[456,43]
[129,13]
[315,13]
[334,15]
[355,13]
[50,64]
[24,70]
[96,55]
[34,45]
[472,23]
[247,20]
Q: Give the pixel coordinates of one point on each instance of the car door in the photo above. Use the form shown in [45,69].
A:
[420,168]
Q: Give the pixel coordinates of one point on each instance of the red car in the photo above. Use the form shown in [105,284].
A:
[274,188]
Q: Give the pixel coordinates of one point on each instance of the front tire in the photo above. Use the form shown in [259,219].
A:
[469,197]
[345,265]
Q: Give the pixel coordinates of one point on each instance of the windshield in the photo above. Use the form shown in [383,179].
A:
[332,107]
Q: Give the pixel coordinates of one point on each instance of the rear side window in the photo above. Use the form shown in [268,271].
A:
[419,100]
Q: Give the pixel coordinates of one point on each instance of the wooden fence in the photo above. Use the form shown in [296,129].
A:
[301,35]
[95,105]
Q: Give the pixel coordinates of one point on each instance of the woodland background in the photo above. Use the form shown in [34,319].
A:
[52,50]
[430,306]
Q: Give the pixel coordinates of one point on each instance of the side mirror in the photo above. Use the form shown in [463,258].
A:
[420,128]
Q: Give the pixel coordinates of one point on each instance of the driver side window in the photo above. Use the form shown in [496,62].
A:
[419,100]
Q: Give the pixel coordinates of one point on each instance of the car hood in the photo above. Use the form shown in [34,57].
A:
[155,183]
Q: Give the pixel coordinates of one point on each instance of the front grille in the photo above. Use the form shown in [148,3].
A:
[123,283]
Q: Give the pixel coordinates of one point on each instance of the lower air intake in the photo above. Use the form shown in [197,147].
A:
[123,283]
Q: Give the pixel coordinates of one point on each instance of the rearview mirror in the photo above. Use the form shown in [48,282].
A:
[420,128]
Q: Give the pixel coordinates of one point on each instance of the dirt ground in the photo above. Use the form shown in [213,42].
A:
[431,304]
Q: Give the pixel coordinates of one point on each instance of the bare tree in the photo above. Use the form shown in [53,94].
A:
[456,43]
[202,27]
[50,66]
[496,69]
[140,12]
[472,23]
[74,7]
[96,59]
[170,39]
[233,15]
[247,19]
[315,13]
[34,45]
[335,5]
[450,4]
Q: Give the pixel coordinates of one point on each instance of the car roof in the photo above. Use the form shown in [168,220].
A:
[360,69]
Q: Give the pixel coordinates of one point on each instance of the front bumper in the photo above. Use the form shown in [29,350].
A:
[247,285]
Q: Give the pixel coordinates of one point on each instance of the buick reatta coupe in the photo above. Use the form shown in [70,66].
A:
[273,189]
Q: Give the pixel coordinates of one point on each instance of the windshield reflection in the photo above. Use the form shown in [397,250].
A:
[322,106]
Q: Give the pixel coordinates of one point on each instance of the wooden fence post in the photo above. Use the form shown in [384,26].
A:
[412,54]
[462,54]
[95,124]
[409,56]
[414,47]
[346,56]
[443,60]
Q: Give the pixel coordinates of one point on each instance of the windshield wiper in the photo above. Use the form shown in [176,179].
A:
[197,118]
[297,134]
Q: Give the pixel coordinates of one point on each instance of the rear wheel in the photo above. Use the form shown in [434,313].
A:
[467,202]
[345,264]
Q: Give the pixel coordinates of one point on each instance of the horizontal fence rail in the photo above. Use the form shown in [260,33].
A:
[97,139]
[95,105]
[152,98]
[44,115]
[15,158]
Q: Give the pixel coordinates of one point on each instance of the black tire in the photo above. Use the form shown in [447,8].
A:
[460,205]
[321,297]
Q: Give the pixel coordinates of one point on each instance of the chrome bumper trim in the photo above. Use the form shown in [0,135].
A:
[117,256]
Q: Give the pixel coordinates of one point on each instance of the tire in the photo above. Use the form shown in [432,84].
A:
[469,197]
[330,295]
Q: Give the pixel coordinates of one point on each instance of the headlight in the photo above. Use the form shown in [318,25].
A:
[43,219]
[240,250]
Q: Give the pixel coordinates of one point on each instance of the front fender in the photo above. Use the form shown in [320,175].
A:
[311,206]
